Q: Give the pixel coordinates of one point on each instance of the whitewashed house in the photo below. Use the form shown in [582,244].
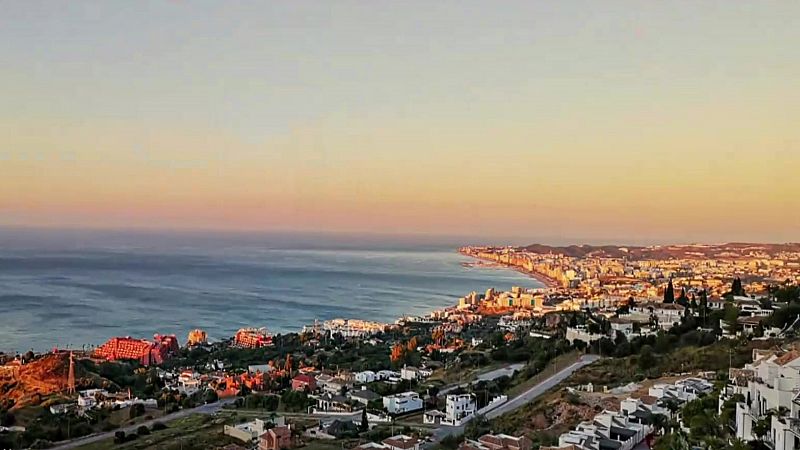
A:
[402,403]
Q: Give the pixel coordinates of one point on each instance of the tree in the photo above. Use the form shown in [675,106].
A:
[738,444]
[364,421]
[243,391]
[7,418]
[669,293]
[397,352]
[660,422]
[646,358]
[412,344]
[137,409]
[438,336]
[786,294]
[731,318]
[672,441]
[762,427]
[737,288]
[476,427]
[187,403]
[683,299]
[433,393]
[294,401]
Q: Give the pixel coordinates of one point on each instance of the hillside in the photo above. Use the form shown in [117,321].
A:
[31,383]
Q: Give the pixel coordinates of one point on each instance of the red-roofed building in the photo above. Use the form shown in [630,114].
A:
[304,382]
[125,348]
[142,350]
[277,438]
[252,338]
[401,442]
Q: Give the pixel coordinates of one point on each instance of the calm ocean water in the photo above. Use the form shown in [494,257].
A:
[80,287]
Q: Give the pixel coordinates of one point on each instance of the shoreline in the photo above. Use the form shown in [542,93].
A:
[548,282]
[453,302]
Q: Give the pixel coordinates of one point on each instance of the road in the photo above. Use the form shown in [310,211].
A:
[522,399]
[209,408]
[541,388]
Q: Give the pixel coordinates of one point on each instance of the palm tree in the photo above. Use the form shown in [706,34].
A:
[659,422]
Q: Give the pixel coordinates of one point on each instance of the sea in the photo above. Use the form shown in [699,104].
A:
[77,288]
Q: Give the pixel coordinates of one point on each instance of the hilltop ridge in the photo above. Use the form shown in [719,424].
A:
[680,251]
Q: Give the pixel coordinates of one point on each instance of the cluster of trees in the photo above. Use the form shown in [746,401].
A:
[526,348]
[46,427]
[685,334]
[683,299]
[405,353]
[259,401]
[290,401]
[356,356]
[787,293]
[120,437]
[295,401]
[173,400]
[123,375]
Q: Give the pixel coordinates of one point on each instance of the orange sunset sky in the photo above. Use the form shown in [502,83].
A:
[599,120]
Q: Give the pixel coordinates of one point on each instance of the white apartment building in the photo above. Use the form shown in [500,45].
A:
[626,429]
[387,375]
[414,373]
[580,333]
[366,376]
[681,391]
[771,383]
[752,308]
[410,373]
[459,408]
[667,314]
[607,430]
[402,403]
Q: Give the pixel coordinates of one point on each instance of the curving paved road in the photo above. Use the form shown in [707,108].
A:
[534,392]
[522,399]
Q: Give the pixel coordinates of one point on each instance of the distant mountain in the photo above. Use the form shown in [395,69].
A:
[682,251]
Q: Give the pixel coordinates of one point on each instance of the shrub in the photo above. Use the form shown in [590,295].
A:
[211,396]
[136,410]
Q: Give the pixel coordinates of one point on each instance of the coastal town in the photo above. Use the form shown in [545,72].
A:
[399,225]
[682,346]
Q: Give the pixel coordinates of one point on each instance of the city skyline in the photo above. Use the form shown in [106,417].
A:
[622,121]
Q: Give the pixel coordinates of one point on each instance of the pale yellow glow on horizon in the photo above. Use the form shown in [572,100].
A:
[622,122]
[209,180]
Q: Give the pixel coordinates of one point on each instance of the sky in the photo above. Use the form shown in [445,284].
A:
[607,120]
